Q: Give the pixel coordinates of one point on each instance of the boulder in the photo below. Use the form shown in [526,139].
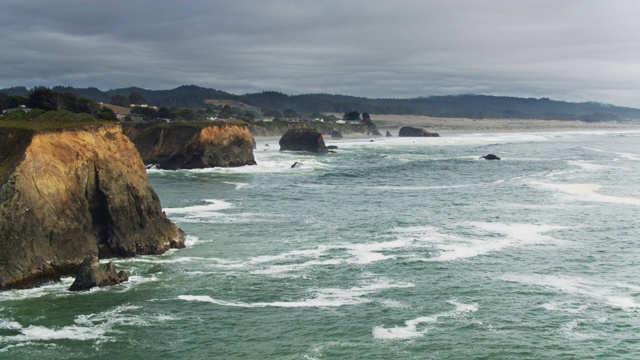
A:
[303,140]
[490,157]
[193,146]
[72,191]
[408,131]
[92,274]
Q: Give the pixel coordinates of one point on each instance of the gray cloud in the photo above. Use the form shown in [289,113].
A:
[576,50]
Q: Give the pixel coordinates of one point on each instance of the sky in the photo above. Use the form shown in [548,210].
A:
[573,50]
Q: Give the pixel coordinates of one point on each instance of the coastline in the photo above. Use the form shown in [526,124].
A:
[455,125]
[393,123]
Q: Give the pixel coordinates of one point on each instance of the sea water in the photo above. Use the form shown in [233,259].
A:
[396,248]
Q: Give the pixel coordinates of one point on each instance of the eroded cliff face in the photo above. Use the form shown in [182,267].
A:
[68,194]
[191,146]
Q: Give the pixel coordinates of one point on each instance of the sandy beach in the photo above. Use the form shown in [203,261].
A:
[444,125]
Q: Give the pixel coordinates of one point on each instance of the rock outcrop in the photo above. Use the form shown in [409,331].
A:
[195,145]
[408,131]
[388,134]
[92,274]
[490,157]
[303,140]
[68,192]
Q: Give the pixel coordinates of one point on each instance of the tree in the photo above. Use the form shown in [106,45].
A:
[275,114]
[187,114]
[226,112]
[351,115]
[290,114]
[165,113]
[137,99]
[120,100]
[365,116]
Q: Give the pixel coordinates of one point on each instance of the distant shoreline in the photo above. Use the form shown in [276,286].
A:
[450,125]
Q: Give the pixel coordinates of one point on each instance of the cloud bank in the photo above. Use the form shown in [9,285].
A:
[569,50]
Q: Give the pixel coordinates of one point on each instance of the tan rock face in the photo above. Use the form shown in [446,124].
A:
[191,146]
[77,193]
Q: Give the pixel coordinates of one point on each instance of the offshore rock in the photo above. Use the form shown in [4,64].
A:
[388,134]
[490,157]
[303,140]
[74,192]
[408,131]
[92,274]
[195,145]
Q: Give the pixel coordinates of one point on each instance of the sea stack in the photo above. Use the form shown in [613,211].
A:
[195,145]
[303,140]
[408,131]
[68,191]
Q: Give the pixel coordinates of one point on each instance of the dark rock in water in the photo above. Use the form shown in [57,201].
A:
[388,134]
[336,134]
[332,147]
[92,274]
[303,140]
[296,164]
[490,157]
[408,131]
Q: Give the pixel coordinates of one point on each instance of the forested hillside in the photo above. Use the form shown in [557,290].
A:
[467,106]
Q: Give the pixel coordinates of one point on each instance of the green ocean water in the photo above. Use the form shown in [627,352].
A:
[400,248]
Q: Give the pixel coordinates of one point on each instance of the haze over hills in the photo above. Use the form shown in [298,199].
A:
[451,106]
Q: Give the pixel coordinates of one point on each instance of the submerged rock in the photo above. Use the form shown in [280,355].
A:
[195,145]
[303,140]
[66,194]
[408,131]
[92,274]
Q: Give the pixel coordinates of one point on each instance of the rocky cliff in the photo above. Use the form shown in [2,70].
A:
[194,145]
[303,140]
[67,192]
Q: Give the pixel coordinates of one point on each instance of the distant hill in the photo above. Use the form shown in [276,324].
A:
[459,106]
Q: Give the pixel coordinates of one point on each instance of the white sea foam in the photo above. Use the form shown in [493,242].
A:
[331,297]
[96,327]
[512,235]
[57,289]
[211,209]
[589,166]
[586,192]
[601,291]
[624,155]
[238,185]
[409,243]
[413,329]
[569,330]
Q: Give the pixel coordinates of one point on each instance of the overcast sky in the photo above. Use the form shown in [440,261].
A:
[575,50]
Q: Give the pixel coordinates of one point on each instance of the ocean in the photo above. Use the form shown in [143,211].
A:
[396,248]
